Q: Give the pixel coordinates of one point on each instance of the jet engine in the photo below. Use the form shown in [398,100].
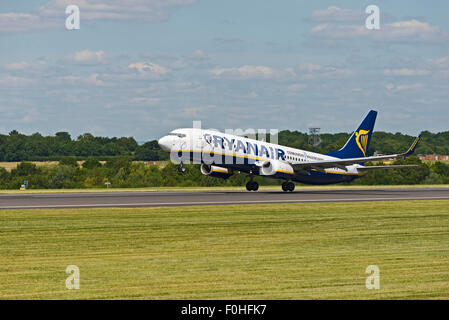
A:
[272,167]
[214,171]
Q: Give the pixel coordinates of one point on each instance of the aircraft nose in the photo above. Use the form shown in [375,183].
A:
[165,143]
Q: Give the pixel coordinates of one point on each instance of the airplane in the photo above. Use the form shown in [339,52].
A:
[221,154]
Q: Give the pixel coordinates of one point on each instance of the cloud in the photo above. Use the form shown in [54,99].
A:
[198,55]
[14,66]
[148,68]
[312,71]
[86,80]
[145,100]
[336,14]
[195,112]
[142,10]
[395,88]
[52,13]
[19,22]
[296,87]
[11,81]
[406,72]
[412,31]
[245,72]
[440,62]
[85,57]
[179,64]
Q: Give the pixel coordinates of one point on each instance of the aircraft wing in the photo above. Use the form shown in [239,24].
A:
[342,163]
[372,168]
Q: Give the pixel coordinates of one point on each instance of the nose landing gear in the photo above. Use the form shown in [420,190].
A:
[181,168]
[288,186]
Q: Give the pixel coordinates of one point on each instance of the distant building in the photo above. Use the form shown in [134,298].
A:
[423,157]
[433,157]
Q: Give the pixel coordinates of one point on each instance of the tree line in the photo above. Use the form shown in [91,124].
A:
[35,147]
[122,172]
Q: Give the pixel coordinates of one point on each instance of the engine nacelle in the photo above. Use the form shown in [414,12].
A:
[214,171]
[275,167]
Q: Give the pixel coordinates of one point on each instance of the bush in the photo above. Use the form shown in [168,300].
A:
[68,161]
[91,163]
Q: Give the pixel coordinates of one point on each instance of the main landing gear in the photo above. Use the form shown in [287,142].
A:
[252,185]
[288,186]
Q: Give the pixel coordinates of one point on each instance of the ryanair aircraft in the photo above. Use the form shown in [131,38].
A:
[221,154]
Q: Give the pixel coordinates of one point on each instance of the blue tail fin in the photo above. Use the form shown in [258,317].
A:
[358,143]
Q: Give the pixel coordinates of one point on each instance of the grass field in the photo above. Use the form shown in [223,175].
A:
[289,251]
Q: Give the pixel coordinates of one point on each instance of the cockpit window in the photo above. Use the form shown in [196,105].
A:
[180,135]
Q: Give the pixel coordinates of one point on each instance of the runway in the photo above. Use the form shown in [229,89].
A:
[189,198]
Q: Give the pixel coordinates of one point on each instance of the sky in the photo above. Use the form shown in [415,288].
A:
[142,68]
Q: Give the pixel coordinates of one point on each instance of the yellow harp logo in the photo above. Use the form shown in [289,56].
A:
[361,138]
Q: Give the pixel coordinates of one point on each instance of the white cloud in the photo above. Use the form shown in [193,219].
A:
[440,62]
[178,64]
[245,72]
[143,10]
[195,112]
[49,14]
[296,87]
[11,81]
[198,55]
[19,22]
[145,100]
[406,72]
[85,80]
[148,68]
[16,66]
[395,88]
[85,57]
[412,31]
[312,71]
[336,14]
[253,95]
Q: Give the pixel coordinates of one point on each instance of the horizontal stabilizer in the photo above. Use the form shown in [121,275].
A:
[325,164]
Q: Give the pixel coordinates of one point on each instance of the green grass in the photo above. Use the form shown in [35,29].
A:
[288,251]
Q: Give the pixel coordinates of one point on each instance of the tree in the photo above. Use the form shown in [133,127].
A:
[91,163]
[24,169]
[63,136]
[68,161]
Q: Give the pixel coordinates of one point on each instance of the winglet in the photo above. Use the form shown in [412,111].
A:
[412,147]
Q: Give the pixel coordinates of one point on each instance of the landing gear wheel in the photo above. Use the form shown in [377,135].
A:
[255,186]
[181,168]
[284,186]
[252,186]
[288,186]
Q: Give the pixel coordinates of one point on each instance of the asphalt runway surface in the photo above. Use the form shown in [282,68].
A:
[188,198]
